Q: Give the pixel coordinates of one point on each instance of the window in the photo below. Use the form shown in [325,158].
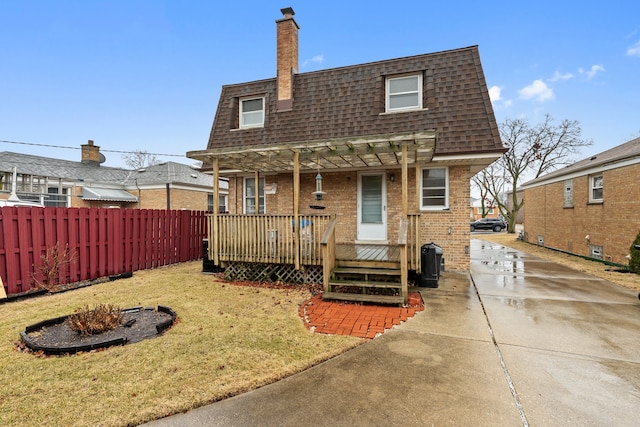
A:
[404,93]
[434,189]
[250,196]
[595,188]
[568,193]
[222,203]
[56,197]
[251,112]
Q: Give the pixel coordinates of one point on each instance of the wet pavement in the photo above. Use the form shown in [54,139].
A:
[519,341]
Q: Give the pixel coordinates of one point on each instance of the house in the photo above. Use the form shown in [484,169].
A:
[590,208]
[64,183]
[478,211]
[330,167]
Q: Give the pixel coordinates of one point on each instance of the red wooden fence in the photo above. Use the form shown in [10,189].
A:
[105,241]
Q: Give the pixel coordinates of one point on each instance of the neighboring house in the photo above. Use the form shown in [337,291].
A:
[64,183]
[371,156]
[590,208]
[487,211]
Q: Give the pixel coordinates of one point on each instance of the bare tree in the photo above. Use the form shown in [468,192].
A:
[139,159]
[479,182]
[533,151]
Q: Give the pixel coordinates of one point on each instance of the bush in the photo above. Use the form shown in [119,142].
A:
[634,261]
[102,318]
[52,262]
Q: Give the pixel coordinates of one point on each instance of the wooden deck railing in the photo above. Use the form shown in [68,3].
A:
[268,238]
[328,244]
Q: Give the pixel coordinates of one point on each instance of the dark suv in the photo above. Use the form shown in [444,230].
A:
[495,224]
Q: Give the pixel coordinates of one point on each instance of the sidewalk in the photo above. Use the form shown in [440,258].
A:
[519,341]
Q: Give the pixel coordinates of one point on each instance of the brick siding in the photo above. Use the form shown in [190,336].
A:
[612,224]
[341,200]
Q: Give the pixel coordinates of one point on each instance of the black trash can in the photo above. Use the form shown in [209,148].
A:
[430,259]
[207,264]
[439,260]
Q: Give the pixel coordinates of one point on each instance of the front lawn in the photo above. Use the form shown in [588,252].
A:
[228,339]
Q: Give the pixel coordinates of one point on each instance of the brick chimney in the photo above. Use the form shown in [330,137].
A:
[287,57]
[91,154]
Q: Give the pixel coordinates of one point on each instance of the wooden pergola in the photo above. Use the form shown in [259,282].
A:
[377,151]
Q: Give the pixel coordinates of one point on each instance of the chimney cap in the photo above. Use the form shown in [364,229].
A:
[287,12]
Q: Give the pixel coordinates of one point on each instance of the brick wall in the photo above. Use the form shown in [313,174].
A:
[612,224]
[179,199]
[341,200]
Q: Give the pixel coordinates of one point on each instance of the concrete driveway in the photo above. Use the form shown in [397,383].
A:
[519,341]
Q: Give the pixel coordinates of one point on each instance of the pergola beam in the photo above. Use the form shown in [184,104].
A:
[370,151]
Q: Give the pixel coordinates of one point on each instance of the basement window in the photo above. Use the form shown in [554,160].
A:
[251,112]
[404,93]
[596,251]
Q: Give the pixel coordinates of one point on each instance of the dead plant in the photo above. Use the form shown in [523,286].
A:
[91,321]
[52,262]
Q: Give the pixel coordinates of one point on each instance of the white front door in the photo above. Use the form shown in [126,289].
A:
[372,206]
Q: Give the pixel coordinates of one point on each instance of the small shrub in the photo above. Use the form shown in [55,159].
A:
[53,260]
[634,260]
[102,318]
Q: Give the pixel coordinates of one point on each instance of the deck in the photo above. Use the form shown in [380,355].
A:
[363,252]
[303,249]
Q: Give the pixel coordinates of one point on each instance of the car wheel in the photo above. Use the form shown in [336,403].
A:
[473,228]
[497,228]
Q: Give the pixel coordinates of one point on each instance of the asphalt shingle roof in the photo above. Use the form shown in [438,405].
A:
[616,154]
[350,102]
[169,172]
[56,168]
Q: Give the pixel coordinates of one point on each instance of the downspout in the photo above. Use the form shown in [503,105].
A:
[139,194]
[168,187]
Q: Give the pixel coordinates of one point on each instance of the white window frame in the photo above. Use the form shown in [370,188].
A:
[244,114]
[593,188]
[262,201]
[389,94]
[445,205]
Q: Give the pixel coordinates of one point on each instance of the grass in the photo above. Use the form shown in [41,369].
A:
[228,339]
[594,268]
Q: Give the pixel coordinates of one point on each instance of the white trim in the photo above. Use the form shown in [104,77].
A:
[369,231]
[386,113]
[241,112]
[388,94]
[458,157]
[591,188]
[586,171]
[446,189]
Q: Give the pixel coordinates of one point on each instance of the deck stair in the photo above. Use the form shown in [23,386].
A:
[366,281]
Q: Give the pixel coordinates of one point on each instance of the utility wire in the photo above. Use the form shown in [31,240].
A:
[79,148]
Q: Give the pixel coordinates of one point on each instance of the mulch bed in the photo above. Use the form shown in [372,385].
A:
[55,336]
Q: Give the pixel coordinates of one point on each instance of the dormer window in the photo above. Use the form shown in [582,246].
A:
[404,93]
[251,112]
